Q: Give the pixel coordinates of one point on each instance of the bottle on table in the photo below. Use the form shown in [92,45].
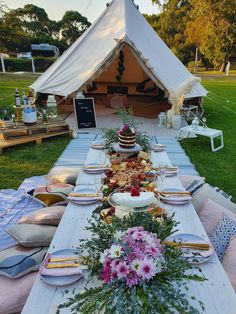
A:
[17,98]
[24,100]
[30,98]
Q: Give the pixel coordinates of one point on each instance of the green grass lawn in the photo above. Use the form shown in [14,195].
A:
[9,82]
[23,161]
[219,168]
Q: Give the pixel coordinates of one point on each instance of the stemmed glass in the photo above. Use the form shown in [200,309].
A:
[162,172]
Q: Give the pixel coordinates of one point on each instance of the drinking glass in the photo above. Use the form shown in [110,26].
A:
[162,172]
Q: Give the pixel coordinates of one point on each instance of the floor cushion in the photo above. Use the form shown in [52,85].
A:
[30,235]
[14,292]
[188,179]
[18,261]
[232,278]
[63,188]
[191,183]
[63,175]
[211,213]
[220,225]
[206,191]
[221,235]
[45,216]
[229,260]
[53,194]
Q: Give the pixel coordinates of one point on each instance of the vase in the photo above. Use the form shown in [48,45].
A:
[176,122]
[75,134]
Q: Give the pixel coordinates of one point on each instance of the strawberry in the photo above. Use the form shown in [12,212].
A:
[135,192]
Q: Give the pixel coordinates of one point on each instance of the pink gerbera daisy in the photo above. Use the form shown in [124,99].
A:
[147,269]
[132,279]
[122,270]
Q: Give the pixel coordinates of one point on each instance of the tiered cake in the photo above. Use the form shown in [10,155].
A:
[127,137]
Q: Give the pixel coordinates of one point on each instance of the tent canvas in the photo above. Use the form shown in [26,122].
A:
[120,25]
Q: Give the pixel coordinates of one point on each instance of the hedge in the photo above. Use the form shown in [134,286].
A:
[16,65]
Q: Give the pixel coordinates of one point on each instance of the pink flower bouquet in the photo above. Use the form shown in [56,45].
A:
[136,258]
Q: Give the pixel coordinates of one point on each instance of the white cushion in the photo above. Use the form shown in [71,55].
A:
[205,192]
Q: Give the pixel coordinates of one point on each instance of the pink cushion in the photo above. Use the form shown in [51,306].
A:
[14,292]
[211,213]
[232,278]
[229,260]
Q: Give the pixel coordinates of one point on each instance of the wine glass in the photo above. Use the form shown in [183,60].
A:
[162,172]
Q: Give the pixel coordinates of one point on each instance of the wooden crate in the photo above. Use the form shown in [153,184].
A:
[32,133]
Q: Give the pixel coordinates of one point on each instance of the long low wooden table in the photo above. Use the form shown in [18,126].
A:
[216,293]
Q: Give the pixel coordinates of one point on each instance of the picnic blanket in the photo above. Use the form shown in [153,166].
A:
[16,203]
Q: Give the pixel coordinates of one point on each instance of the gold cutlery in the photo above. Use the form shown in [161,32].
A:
[84,194]
[62,265]
[195,246]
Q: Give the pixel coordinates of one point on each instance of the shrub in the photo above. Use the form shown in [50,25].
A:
[16,65]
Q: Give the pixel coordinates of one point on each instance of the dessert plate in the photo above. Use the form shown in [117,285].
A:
[194,256]
[159,148]
[61,280]
[85,196]
[175,199]
[94,168]
[98,145]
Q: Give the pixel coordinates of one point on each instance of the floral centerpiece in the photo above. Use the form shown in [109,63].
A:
[133,260]
[135,272]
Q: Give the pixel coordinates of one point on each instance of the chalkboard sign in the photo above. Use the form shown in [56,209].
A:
[85,113]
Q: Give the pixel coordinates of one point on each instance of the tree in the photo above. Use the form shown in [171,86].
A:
[212,27]
[22,27]
[72,26]
[12,35]
[170,25]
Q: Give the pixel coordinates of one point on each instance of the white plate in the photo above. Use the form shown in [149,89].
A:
[174,200]
[195,257]
[96,170]
[85,200]
[170,173]
[62,280]
[159,148]
[98,145]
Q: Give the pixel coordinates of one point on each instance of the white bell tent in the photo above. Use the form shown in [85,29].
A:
[95,55]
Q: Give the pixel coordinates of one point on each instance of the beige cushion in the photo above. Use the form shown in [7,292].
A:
[45,216]
[206,191]
[63,175]
[30,235]
[186,180]
[14,292]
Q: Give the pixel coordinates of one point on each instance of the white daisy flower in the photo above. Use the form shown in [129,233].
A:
[115,250]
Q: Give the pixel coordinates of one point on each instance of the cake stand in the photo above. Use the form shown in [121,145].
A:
[127,151]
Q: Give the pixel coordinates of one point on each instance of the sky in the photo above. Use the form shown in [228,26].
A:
[90,8]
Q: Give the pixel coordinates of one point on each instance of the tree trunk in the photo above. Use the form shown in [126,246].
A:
[222,68]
